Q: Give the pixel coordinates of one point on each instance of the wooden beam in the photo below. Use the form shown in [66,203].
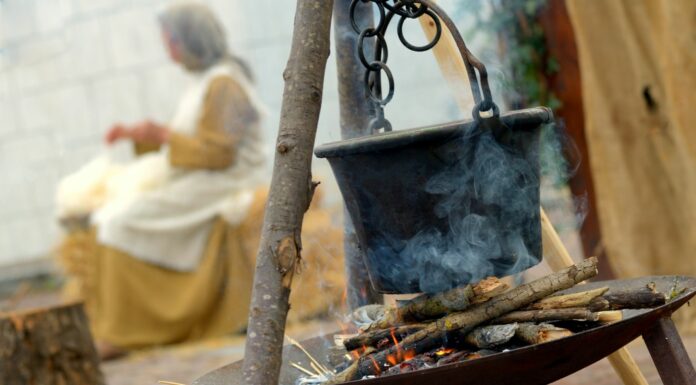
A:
[668,353]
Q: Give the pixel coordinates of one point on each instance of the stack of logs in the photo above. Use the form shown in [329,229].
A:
[479,319]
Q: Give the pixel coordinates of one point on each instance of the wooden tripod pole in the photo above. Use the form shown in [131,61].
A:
[555,252]
[290,194]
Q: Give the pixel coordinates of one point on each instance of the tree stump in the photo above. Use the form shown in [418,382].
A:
[50,346]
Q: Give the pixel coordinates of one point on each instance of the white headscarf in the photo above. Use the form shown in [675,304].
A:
[199,36]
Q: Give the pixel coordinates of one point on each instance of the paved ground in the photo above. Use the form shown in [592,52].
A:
[185,363]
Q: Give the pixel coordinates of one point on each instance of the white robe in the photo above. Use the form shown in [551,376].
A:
[162,214]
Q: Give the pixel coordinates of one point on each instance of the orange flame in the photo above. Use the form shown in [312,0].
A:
[375,364]
[399,353]
[344,298]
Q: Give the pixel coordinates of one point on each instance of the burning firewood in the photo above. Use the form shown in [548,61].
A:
[573,300]
[352,370]
[433,335]
[429,307]
[490,336]
[371,338]
[461,355]
[535,334]
[416,363]
[580,314]
[630,299]
[464,355]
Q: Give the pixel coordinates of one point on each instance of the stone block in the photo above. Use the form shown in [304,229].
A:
[17,20]
[118,98]
[87,48]
[66,110]
[52,16]
[134,38]
[162,88]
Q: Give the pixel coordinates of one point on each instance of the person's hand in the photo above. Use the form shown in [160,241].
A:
[143,132]
[117,132]
[149,132]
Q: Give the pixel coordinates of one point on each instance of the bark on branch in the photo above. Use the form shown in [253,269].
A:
[428,307]
[290,193]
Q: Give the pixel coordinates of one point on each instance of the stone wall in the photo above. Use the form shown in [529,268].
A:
[71,68]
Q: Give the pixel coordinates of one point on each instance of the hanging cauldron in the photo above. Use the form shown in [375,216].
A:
[441,206]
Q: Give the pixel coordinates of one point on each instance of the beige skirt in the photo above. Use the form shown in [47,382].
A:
[133,304]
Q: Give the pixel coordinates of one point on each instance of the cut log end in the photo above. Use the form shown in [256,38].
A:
[537,334]
[63,331]
[609,316]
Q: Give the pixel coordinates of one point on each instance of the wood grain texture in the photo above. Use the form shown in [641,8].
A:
[50,346]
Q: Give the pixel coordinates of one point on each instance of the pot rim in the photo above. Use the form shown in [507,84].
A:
[520,119]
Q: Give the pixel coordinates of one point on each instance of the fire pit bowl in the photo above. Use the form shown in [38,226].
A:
[537,364]
[437,207]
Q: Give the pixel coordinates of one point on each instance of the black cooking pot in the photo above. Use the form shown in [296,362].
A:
[436,207]
[432,208]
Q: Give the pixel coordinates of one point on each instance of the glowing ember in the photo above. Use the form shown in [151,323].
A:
[443,352]
[354,354]
[409,354]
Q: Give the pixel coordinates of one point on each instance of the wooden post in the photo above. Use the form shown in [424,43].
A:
[355,116]
[48,346]
[556,254]
[566,85]
[668,353]
[290,192]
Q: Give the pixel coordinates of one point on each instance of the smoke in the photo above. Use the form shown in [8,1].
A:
[559,161]
[488,197]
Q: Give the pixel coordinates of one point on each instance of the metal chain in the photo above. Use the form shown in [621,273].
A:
[375,62]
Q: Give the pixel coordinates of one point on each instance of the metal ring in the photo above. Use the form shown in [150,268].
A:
[408,9]
[402,8]
[485,105]
[382,15]
[377,98]
[361,53]
[431,44]
[379,122]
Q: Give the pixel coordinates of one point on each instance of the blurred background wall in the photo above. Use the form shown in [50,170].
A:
[71,68]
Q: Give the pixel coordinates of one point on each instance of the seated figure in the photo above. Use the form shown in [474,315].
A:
[162,250]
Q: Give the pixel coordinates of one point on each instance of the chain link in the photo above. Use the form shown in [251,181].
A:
[375,62]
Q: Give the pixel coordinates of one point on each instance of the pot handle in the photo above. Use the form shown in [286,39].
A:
[482,93]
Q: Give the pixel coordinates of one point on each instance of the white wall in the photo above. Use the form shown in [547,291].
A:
[70,68]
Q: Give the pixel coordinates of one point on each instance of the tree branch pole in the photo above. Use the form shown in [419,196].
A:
[290,193]
[356,112]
